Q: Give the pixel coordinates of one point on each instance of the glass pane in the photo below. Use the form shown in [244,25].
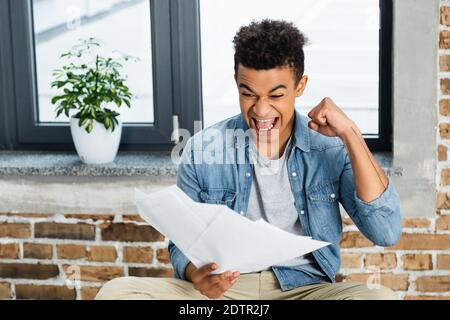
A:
[342,58]
[121,25]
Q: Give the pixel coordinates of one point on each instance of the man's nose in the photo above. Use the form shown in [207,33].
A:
[262,107]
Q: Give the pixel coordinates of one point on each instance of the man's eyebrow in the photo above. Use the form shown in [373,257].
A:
[280,86]
[244,86]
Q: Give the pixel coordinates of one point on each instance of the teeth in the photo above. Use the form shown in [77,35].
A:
[265,125]
[265,121]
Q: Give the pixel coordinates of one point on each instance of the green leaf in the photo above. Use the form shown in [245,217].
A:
[82,122]
[56,99]
[107,123]
[90,126]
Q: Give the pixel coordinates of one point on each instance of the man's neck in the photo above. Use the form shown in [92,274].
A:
[272,150]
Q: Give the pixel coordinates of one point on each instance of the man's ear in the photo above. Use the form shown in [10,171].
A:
[301,86]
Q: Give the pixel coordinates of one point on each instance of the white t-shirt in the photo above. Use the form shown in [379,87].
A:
[271,197]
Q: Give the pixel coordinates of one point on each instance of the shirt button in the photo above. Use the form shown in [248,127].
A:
[294,174]
[302,212]
[248,174]
[242,212]
[333,195]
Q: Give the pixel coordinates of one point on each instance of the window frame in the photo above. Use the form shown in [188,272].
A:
[383,141]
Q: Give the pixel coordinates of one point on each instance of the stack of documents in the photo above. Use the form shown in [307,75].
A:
[207,233]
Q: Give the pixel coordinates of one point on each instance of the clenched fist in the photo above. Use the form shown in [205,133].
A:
[328,119]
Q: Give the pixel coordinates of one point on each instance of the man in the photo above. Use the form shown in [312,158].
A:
[296,170]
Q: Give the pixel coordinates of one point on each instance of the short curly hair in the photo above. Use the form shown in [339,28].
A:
[268,44]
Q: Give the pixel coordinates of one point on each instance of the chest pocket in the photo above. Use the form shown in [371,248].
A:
[327,192]
[218,196]
[323,205]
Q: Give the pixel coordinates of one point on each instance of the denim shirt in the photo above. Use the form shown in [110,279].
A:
[321,177]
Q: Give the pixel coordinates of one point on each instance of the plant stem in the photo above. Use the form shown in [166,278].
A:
[96,79]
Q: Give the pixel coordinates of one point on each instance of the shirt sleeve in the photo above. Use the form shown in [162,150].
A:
[380,219]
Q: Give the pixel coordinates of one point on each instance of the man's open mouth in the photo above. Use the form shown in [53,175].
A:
[265,125]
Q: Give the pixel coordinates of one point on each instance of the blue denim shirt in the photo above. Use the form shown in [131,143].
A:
[321,177]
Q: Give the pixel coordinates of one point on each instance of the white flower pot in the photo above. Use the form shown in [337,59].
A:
[98,147]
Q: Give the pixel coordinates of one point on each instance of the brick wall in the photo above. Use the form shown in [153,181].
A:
[417,267]
[40,253]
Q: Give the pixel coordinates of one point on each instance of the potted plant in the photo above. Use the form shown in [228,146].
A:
[92,85]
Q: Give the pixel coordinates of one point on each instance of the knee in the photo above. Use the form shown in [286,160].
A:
[383,293]
[113,289]
[360,291]
[379,293]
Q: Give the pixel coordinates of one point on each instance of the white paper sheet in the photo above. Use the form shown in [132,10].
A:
[208,233]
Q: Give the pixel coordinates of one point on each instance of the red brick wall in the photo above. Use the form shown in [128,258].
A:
[417,267]
[38,254]
[444,90]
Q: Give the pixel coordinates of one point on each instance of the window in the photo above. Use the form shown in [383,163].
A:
[59,24]
[348,58]
[36,32]
[342,58]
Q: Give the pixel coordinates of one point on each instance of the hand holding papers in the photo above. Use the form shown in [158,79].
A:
[207,233]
